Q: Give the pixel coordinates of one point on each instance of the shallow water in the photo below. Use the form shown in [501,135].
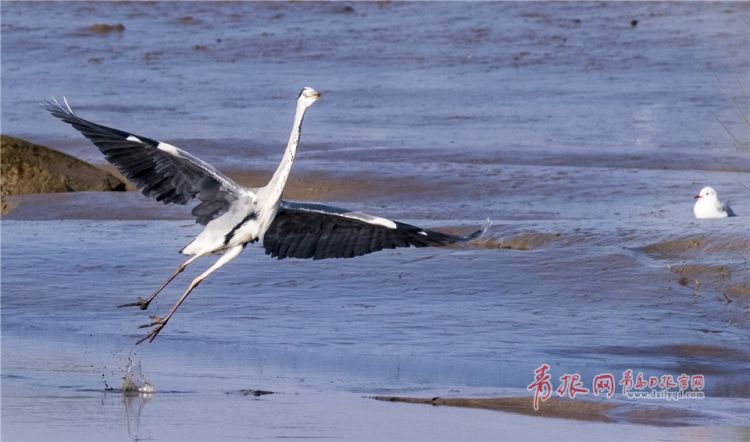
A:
[582,137]
[462,320]
[490,78]
[202,399]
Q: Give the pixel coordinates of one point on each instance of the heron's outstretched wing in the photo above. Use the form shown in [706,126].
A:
[159,170]
[302,230]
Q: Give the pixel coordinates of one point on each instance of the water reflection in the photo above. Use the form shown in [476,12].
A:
[136,393]
[134,404]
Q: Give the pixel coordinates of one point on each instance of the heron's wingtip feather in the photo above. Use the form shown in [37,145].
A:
[58,109]
[481,232]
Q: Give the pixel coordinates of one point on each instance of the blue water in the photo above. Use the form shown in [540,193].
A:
[558,121]
[478,79]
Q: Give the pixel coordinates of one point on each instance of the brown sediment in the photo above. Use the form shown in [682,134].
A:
[93,206]
[319,186]
[325,185]
[187,20]
[6,205]
[693,244]
[29,168]
[104,28]
[688,255]
[740,290]
[575,409]
[112,170]
[676,247]
[554,407]
[522,241]
[310,186]
[702,271]
[702,277]
[303,186]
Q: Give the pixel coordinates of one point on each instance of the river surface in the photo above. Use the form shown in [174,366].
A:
[582,130]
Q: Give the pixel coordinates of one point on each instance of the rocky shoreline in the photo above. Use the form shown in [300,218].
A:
[29,168]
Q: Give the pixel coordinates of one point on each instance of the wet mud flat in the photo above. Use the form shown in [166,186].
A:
[579,410]
[581,134]
[414,323]
[199,393]
[574,272]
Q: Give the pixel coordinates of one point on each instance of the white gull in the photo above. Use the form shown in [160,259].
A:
[707,205]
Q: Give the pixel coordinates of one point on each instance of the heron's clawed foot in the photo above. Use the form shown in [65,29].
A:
[158,323]
[142,303]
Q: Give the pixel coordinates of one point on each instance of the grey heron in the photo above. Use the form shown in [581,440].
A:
[235,216]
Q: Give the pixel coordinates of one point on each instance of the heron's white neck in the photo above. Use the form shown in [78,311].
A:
[278,181]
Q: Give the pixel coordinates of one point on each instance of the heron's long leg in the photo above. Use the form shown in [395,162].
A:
[159,323]
[143,303]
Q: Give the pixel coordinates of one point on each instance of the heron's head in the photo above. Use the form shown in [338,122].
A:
[706,192]
[308,96]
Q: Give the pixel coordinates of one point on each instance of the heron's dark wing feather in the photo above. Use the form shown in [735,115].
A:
[317,231]
[159,170]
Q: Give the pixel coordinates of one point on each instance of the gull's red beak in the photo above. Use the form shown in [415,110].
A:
[696,197]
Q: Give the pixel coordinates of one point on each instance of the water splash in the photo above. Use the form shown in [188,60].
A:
[133,382]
